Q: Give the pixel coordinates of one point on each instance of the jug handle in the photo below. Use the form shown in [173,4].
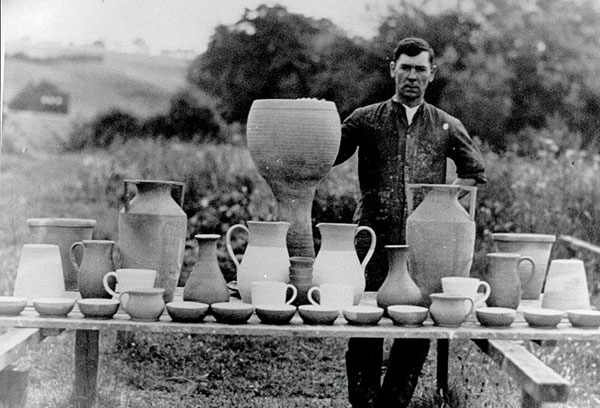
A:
[72,255]
[173,184]
[532,273]
[371,248]
[409,196]
[472,199]
[228,242]
[470,189]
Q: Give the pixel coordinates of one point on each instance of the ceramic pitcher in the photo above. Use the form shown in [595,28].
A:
[266,256]
[206,283]
[440,234]
[536,246]
[398,287]
[97,261]
[502,274]
[337,260]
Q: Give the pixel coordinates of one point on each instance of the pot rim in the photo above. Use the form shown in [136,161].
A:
[522,237]
[296,104]
[61,222]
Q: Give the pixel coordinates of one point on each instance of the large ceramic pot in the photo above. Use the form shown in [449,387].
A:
[152,232]
[536,246]
[63,232]
[440,234]
[293,143]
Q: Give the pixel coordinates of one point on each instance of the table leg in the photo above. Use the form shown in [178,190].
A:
[443,347]
[86,368]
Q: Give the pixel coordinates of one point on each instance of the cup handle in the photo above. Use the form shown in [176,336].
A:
[72,255]
[105,283]
[228,242]
[124,302]
[531,273]
[471,308]
[294,294]
[371,250]
[486,293]
[309,295]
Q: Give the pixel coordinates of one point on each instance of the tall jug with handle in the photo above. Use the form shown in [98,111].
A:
[266,256]
[152,232]
[97,261]
[502,274]
[337,260]
[440,234]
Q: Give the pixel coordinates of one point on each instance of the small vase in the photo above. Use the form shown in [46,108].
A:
[97,261]
[398,287]
[206,283]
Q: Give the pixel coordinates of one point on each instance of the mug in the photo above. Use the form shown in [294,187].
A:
[467,287]
[335,295]
[449,310]
[130,278]
[143,304]
[272,293]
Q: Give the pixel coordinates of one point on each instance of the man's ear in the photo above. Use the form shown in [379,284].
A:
[433,71]
[392,67]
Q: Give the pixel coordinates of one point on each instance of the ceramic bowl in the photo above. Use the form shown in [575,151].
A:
[53,306]
[232,312]
[407,315]
[495,316]
[275,314]
[12,305]
[98,308]
[539,317]
[584,317]
[363,315]
[315,314]
[186,311]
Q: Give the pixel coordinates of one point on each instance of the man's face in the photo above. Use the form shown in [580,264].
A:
[412,76]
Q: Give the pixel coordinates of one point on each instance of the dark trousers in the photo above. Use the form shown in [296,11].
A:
[364,360]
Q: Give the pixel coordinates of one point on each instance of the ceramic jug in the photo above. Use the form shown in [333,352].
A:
[566,285]
[398,288]
[62,232]
[536,246]
[266,256]
[152,231]
[97,261]
[337,260]
[293,144]
[206,283]
[143,304]
[40,272]
[449,310]
[440,234]
[502,274]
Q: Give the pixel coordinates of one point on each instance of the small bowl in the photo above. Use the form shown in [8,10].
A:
[584,318]
[187,312]
[12,305]
[232,312]
[98,308]
[56,307]
[363,315]
[408,315]
[275,314]
[539,317]
[315,314]
[495,316]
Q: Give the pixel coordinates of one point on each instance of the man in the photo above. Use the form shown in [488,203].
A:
[402,140]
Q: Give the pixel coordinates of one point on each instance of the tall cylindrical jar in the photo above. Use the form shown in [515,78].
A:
[440,234]
[152,231]
[63,232]
[293,143]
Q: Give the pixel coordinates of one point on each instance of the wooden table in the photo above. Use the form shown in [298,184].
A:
[497,342]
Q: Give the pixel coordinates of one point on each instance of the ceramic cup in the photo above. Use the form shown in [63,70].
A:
[449,310]
[467,287]
[271,293]
[339,296]
[130,278]
[143,304]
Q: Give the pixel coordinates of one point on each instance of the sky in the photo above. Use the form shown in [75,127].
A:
[163,24]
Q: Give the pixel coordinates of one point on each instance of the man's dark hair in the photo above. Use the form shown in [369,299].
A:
[412,47]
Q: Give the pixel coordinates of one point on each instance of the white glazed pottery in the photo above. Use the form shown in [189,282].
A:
[566,285]
[40,272]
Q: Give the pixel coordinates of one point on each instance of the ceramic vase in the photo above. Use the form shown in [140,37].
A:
[293,143]
[566,285]
[206,283]
[152,231]
[62,232]
[398,288]
[440,234]
[40,272]
[337,260]
[301,276]
[266,256]
[536,246]
[502,274]
[97,261]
